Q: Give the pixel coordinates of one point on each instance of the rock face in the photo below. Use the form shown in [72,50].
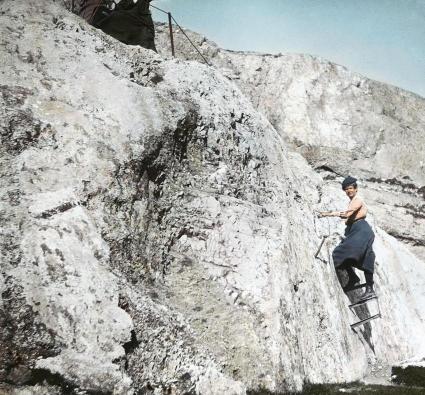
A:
[158,233]
[341,122]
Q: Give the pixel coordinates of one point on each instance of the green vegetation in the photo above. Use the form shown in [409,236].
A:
[352,388]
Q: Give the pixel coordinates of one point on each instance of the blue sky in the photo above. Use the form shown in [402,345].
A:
[381,39]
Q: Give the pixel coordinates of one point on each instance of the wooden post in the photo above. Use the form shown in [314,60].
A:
[170,25]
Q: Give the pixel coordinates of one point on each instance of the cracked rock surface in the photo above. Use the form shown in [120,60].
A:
[340,121]
[158,233]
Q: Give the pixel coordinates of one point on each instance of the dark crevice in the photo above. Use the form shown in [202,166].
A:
[23,338]
[44,376]
[59,209]
[415,212]
[328,169]
[182,136]
[132,344]
[22,129]
[47,378]
[407,239]
[144,179]
[407,187]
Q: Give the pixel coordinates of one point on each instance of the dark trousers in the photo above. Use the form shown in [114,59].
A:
[348,267]
[129,23]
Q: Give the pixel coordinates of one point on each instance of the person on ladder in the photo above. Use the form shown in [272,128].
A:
[356,249]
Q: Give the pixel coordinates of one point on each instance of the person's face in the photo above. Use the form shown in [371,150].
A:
[350,191]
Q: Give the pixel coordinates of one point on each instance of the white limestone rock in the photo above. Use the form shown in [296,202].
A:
[158,235]
[340,121]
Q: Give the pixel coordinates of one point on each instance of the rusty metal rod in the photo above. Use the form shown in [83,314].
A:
[320,247]
[193,45]
[170,19]
[170,25]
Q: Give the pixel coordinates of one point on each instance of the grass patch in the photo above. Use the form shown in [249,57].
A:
[351,388]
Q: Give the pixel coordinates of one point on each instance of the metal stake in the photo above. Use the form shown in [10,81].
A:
[320,247]
[171,33]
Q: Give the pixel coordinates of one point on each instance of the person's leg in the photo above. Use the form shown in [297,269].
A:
[369,292]
[369,267]
[353,279]
[146,36]
[120,25]
[131,25]
[352,274]
[369,278]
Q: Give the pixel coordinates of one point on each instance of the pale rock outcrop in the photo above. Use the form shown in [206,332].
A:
[340,121]
[158,236]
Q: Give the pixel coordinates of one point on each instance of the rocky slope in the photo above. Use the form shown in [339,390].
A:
[158,234]
[341,122]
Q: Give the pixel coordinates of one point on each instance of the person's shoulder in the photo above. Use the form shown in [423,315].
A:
[358,199]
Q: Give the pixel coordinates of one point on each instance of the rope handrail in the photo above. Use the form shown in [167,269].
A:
[159,9]
[181,29]
[170,17]
[193,45]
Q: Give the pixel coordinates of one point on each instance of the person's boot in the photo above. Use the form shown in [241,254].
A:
[368,293]
[353,280]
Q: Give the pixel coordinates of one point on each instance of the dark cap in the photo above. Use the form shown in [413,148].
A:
[348,181]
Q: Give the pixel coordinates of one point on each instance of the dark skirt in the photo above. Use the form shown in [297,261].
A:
[356,249]
[129,23]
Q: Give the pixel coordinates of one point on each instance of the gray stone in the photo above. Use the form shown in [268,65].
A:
[158,233]
[341,122]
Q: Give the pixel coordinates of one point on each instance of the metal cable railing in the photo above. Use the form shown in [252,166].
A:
[171,19]
[170,24]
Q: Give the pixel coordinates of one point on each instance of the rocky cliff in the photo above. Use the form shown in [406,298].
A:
[158,232]
[340,121]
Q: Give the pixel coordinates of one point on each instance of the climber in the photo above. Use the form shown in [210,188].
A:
[356,249]
[128,21]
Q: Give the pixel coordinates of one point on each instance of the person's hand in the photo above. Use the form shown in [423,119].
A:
[320,214]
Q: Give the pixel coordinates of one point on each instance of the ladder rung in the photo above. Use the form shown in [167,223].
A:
[356,324]
[362,302]
[356,287]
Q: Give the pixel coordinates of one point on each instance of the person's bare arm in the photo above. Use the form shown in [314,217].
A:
[330,214]
[355,206]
